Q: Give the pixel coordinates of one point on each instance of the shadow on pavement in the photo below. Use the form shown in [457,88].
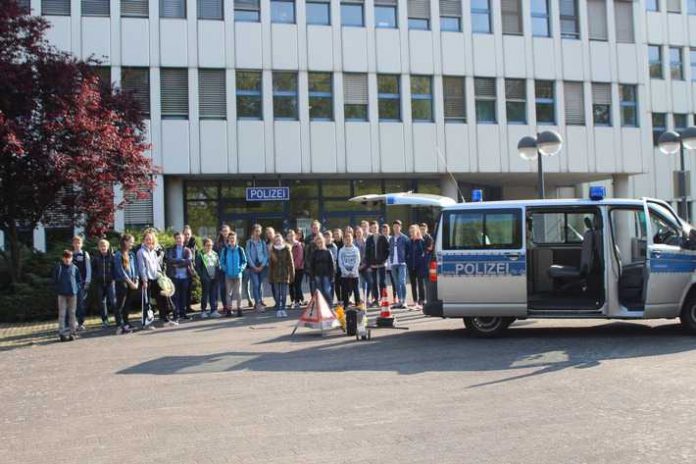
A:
[542,349]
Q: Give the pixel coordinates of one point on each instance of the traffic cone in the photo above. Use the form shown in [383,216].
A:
[385,319]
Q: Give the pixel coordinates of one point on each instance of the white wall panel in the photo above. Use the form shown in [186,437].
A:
[599,61]
[631,149]
[173,42]
[453,57]
[288,153]
[284,46]
[421,51]
[250,147]
[675,29]
[320,48]
[628,64]
[573,59]
[484,55]
[680,97]
[175,147]
[248,45]
[575,149]
[544,62]
[692,30]
[96,38]
[604,149]
[653,29]
[213,146]
[514,133]
[211,36]
[358,148]
[135,50]
[514,56]
[391,147]
[456,150]
[488,157]
[659,95]
[60,32]
[425,157]
[323,146]
[354,43]
[388,46]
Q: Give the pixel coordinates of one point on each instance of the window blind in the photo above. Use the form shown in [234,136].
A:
[451,8]
[601,94]
[515,89]
[419,9]
[484,87]
[574,103]
[95,8]
[674,6]
[511,11]
[135,8]
[210,9]
[386,2]
[597,12]
[138,211]
[137,82]
[355,89]
[212,100]
[174,92]
[455,97]
[172,8]
[248,5]
[24,5]
[55,7]
[623,14]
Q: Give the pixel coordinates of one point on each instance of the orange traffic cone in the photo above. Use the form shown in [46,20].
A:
[385,319]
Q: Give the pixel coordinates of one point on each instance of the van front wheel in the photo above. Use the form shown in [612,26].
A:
[487,326]
[688,315]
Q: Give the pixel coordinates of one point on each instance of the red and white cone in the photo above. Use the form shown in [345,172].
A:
[386,318]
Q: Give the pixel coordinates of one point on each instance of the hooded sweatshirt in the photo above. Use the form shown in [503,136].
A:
[349,261]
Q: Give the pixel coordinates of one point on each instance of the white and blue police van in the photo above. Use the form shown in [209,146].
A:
[495,262]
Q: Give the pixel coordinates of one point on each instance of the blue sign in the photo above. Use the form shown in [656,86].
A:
[268,193]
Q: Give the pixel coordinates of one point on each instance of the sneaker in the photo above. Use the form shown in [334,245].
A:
[73,337]
[240,313]
[279,313]
[171,323]
[296,305]
[185,317]
[149,327]
[250,304]
[214,315]
[264,304]
[63,338]
[119,330]
[285,313]
[205,315]
[81,328]
[105,324]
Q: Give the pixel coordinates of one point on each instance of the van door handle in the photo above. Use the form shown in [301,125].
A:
[512,256]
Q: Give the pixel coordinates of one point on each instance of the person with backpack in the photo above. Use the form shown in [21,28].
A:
[103,274]
[219,245]
[190,243]
[126,282]
[310,246]
[150,269]
[233,261]
[349,265]
[180,270]
[323,269]
[257,254]
[82,260]
[67,281]
[297,249]
[207,267]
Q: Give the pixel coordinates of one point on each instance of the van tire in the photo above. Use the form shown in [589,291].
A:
[688,315]
[486,327]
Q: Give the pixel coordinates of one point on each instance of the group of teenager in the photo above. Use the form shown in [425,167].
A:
[352,262]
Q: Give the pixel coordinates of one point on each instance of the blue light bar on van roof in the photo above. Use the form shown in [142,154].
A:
[476,195]
[597,192]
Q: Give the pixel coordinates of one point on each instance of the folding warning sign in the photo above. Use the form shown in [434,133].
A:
[317,315]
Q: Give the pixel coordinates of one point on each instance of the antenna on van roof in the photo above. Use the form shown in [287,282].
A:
[444,162]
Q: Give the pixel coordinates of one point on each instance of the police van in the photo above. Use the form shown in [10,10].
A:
[498,261]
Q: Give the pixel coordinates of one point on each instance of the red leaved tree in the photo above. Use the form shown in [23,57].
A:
[66,138]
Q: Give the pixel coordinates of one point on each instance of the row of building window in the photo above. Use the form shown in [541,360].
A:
[249,97]
[676,61]
[680,121]
[386,14]
[671,6]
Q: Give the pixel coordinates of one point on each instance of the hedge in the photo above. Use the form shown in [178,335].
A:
[33,299]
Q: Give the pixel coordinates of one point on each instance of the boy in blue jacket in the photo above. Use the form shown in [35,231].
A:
[67,281]
[233,261]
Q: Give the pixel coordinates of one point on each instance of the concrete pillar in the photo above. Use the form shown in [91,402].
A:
[448,186]
[158,203]
[621,186]
[174,203]
[40,238]
[119,214]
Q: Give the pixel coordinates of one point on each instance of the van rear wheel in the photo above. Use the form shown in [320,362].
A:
[688,315]
[487,326]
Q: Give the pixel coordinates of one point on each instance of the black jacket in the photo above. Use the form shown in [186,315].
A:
[309,249]
[103,268]
[376,254]
[322,264]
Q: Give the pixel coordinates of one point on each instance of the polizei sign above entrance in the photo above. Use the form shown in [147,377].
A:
[268,193]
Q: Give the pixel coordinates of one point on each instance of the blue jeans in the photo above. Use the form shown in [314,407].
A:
[365,285]
[399,276]
[221,296]
[81,304]
[325,285]
[257,279]
[106,296]
[209,294]
[378,281]
[181,287]
[246,285]
[280,292]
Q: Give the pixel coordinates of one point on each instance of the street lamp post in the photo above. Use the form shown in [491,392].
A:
[547,143]
[671,142]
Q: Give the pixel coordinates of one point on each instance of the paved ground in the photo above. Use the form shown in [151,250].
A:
[244,391]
